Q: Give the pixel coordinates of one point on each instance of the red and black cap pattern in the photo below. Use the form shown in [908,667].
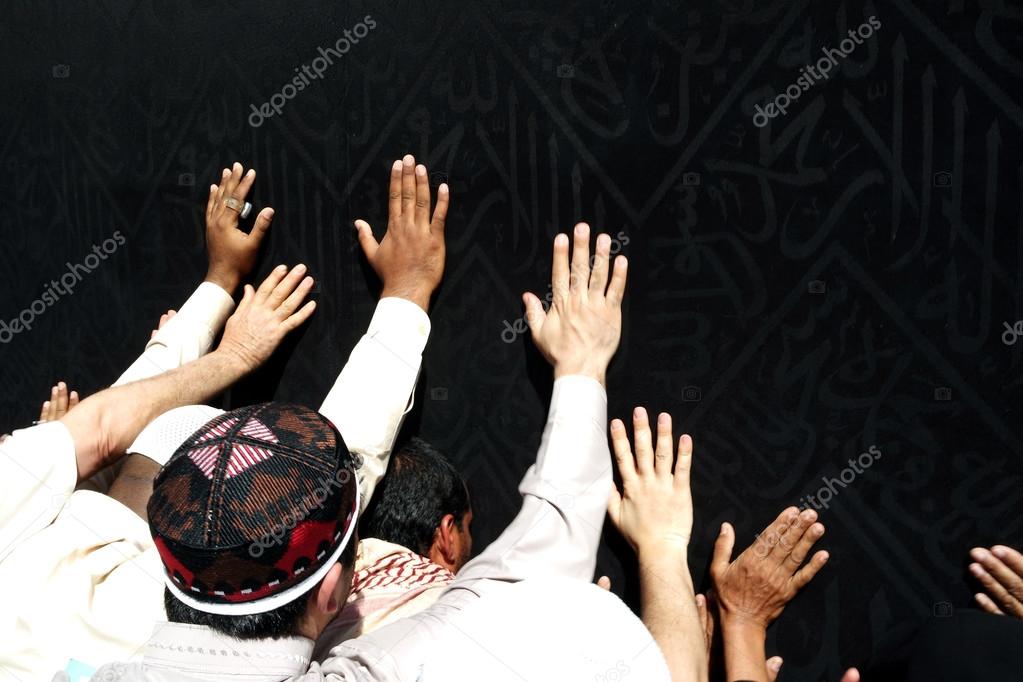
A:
[252,506]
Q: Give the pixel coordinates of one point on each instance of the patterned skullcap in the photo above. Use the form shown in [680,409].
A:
[253,509]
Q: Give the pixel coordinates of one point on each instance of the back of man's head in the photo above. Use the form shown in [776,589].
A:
[251,515]
[420,500]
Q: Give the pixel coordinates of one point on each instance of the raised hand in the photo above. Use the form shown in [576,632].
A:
[59,403]
[1000,571]
[755,588]
[232,252]
[164,319]
[266,315]
[580,332]
[654,511]
[409,260]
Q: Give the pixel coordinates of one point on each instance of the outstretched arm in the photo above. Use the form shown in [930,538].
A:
[654,511]
[374,390]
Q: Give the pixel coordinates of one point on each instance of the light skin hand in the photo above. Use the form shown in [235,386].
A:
[232,252]
[581,331]
[654,511]
[266,315]
[409,260]
[1000,572]
[59,403]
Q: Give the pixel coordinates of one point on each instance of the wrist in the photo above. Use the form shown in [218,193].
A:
[234,359]
[741,626]
[229,282]
[420,295]
[593,370]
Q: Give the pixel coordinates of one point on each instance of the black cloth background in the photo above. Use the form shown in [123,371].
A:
[838,280]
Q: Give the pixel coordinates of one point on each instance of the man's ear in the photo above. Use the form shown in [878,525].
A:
[327,600]
[444,538]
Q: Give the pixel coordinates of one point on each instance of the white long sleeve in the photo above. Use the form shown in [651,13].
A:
[374,391]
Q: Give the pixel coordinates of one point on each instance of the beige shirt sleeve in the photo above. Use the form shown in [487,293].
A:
[187,336]
[374,391]
[38,468]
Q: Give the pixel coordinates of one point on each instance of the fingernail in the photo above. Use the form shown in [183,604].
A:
[663,419]
[396,165]
[444,188]
[251,172]
[409,160]
[999,551]
[979,553]
[776,664]
[420,170]
[976,569]
[282,267]
[723,529]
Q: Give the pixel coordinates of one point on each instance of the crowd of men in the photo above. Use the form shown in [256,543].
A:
[147,536]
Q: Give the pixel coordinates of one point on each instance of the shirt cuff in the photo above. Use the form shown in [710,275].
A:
[400,326]
[187,336]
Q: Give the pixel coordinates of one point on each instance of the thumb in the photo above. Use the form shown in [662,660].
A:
[262,225]
[614,505]
[367,241]
[722,550]
[851,675]
[773,667]
[535,314]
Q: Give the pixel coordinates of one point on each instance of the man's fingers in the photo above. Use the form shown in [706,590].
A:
[851,675]
[286,286]
[723,547]
[408,185]
[771,536]
[684,461]
[60,407]
[773,665]
[559,270]
[44,411]
[614,506]
[801,549]
[222,187]
[72,399]
[1010,557]
[791,535]
[806,573]
[367,241]
[211,201]
[1008,578]
[643,442]
[299,318]
[294,300]
[244,185]
[262,225]
[580,259]
[271,281]
[619,273]
[535,314]
[440,211]
[985,603]
[622,451]
[232,180]
[601,260]
[422,214]
[663,453]
[394,192]
[604,583]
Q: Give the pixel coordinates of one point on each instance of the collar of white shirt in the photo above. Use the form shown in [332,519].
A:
[203,652]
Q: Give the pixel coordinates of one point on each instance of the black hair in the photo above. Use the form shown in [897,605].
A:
[281,622]
[421,487]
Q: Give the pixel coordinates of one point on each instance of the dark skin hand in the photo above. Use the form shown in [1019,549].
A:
[134,484]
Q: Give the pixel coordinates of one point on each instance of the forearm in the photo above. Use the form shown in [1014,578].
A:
[745,650]
[108,422]
[668,607]
[134,484]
